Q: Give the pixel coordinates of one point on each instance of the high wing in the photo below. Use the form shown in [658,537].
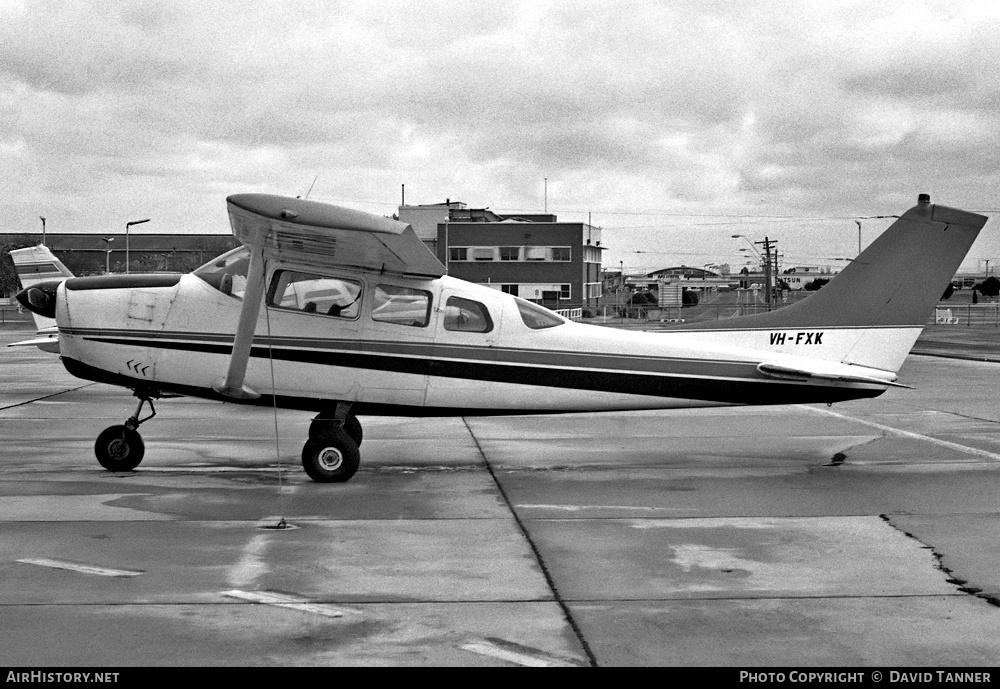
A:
[316,235]
[320,235]
[34,265]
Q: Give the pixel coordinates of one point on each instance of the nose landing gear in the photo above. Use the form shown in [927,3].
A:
[120,448]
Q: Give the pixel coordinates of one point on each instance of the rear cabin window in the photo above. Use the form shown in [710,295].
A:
[320,294]
[467,316]
[537,317]
[401,305]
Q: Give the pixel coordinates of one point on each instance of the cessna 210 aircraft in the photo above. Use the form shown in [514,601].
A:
[357,317]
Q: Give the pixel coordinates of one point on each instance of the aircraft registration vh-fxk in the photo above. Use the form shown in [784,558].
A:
[347,314]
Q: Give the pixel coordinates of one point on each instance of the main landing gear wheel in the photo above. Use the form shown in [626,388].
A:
[322,423]
[331,456]
[119,448]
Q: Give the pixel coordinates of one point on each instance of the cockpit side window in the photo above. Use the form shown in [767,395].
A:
[310,293]
[401,305]
[537,317]
[467,316]
[228,272]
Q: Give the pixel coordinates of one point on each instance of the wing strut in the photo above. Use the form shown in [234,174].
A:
[232,385]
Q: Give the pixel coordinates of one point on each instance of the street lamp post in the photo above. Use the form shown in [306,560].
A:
[127,226]
[107,253]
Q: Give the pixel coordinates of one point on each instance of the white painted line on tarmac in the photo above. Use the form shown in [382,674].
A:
[251,563]
[517,654]
[992,456]
[283,600]
[75,567]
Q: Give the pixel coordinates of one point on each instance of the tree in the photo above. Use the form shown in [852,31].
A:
[8,274]
[689,298]
[990,287]
[815,284]
[642,299]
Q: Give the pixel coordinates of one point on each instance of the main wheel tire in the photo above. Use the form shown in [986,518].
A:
[352,427]
[331,457]
[119,448]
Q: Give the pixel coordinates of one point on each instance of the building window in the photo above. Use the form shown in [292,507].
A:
[509,289]
[510,253]
[467,316]
[401,305]
[483,254]
[560,253]
[316,294]
[564,291]
[458,253]
[534,253]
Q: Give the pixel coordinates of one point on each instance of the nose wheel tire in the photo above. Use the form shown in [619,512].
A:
[331,457]
[119,448]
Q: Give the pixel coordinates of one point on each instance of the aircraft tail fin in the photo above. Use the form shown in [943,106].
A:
[37,264]
[880,302]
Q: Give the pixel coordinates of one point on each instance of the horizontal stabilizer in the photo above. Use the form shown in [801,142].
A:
[46,344]
[838,373]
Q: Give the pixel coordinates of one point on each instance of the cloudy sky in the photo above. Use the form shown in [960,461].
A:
[672,125]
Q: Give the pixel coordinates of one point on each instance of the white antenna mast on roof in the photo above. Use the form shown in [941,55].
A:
[310,187]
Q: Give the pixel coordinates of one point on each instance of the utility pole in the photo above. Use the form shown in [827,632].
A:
[42,218]
[769,269]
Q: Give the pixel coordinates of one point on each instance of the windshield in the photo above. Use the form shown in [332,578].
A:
[228,272]
[537,317]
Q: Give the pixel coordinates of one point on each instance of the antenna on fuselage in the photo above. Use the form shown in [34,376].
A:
[310,187]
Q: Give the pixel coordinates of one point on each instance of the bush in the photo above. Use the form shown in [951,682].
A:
[643,299]
[990,287]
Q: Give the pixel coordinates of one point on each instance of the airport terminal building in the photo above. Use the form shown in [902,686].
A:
[532,256]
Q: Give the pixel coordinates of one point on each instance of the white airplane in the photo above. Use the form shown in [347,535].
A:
[343,313]
[37,264]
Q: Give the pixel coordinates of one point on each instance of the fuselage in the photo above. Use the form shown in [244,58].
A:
[393,344]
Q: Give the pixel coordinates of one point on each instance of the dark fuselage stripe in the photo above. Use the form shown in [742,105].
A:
[707,386]
[431,350]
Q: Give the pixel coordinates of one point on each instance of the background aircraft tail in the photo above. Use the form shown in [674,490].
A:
[37,264]
[873,311]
